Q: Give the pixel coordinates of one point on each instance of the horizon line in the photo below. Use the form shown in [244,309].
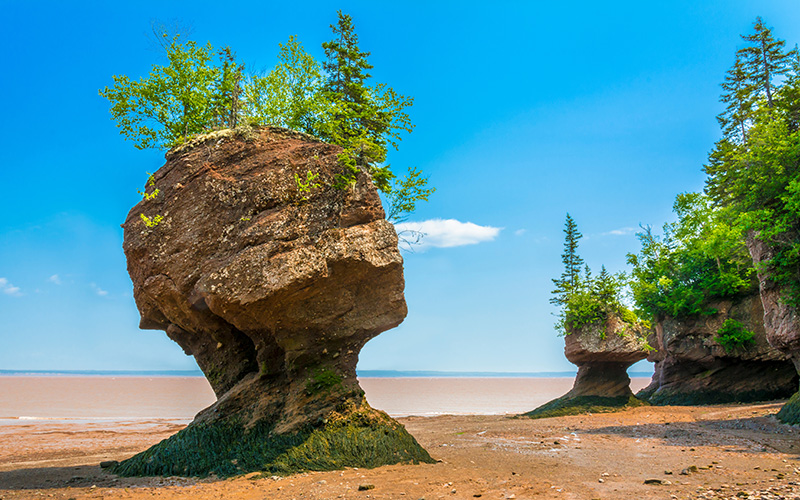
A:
[360,373]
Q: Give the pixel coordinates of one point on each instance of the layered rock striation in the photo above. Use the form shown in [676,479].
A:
[692,368]
[273,280]
[603,352]
[781,321]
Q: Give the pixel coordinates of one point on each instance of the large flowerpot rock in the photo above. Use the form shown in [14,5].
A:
[691,367]
[603,352]
[273,280]
[781,321]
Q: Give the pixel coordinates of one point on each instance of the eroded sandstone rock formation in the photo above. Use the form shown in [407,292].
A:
[603,352]
[273,280]
[691,367]
[781,321]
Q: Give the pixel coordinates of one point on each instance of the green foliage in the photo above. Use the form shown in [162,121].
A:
[334,101]
[305,187]
[187,96]
[763,60]
[733,336]
[756,175]
[583,298]
[699,258]
[406,193]
[151,182]
[290,95]
[151,222]
[323,380]
[569,281]
[371,118]
[367,119]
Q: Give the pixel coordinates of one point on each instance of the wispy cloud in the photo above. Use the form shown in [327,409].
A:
[520,232]
[447,233]
[54,279]
[619,232]
[7,288]
[99,291]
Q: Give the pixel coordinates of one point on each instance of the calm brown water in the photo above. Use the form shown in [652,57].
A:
[74,398]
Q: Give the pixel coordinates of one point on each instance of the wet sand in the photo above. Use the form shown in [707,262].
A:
[728,451]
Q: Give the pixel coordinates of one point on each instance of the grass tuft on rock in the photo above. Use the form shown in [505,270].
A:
[580,405]
[359,438]
[790,412]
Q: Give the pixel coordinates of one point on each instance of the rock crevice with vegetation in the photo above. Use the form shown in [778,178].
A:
[273,280]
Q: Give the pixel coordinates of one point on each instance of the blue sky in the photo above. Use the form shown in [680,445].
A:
[523,110]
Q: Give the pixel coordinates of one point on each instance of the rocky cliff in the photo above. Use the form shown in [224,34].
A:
[691,367]
[781,321]
[273,280]
[603,352]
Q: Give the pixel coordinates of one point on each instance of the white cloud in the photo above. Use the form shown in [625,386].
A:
[98,290]
[520,232]
[446,233]
[54,279]
[7,288]
[619,232]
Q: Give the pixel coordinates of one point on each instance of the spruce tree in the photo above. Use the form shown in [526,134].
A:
[570,279]
[606,288]
[367,119]
[764,60]
[739,100]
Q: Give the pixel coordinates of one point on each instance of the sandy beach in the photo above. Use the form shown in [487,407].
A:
[724,451]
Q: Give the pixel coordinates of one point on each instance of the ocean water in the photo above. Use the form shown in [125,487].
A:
[76,398]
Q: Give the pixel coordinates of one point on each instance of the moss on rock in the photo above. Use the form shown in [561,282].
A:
[567,405]
[352,438]
[709,397]
[790,413]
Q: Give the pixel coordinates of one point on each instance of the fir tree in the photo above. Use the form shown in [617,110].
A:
[764,60]
[367,119]
[570,279]
[606,287]
[739,102]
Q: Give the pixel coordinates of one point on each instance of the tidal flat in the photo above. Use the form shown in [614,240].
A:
[720,451]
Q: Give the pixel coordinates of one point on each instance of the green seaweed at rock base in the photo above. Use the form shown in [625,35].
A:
[790,412]
[363,438]
[580,405]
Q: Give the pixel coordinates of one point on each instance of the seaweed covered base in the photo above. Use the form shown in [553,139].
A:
[352,437]
[579,405]
[710,397]
[790,412]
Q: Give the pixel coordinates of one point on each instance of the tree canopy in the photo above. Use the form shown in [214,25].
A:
[335,101]
[697,259]
[190,95]
[755,174]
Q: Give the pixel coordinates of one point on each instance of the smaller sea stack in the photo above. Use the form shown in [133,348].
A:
[603,352]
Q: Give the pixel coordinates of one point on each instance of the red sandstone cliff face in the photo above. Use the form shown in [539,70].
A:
[781,321]
[692,368]
[273,289]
